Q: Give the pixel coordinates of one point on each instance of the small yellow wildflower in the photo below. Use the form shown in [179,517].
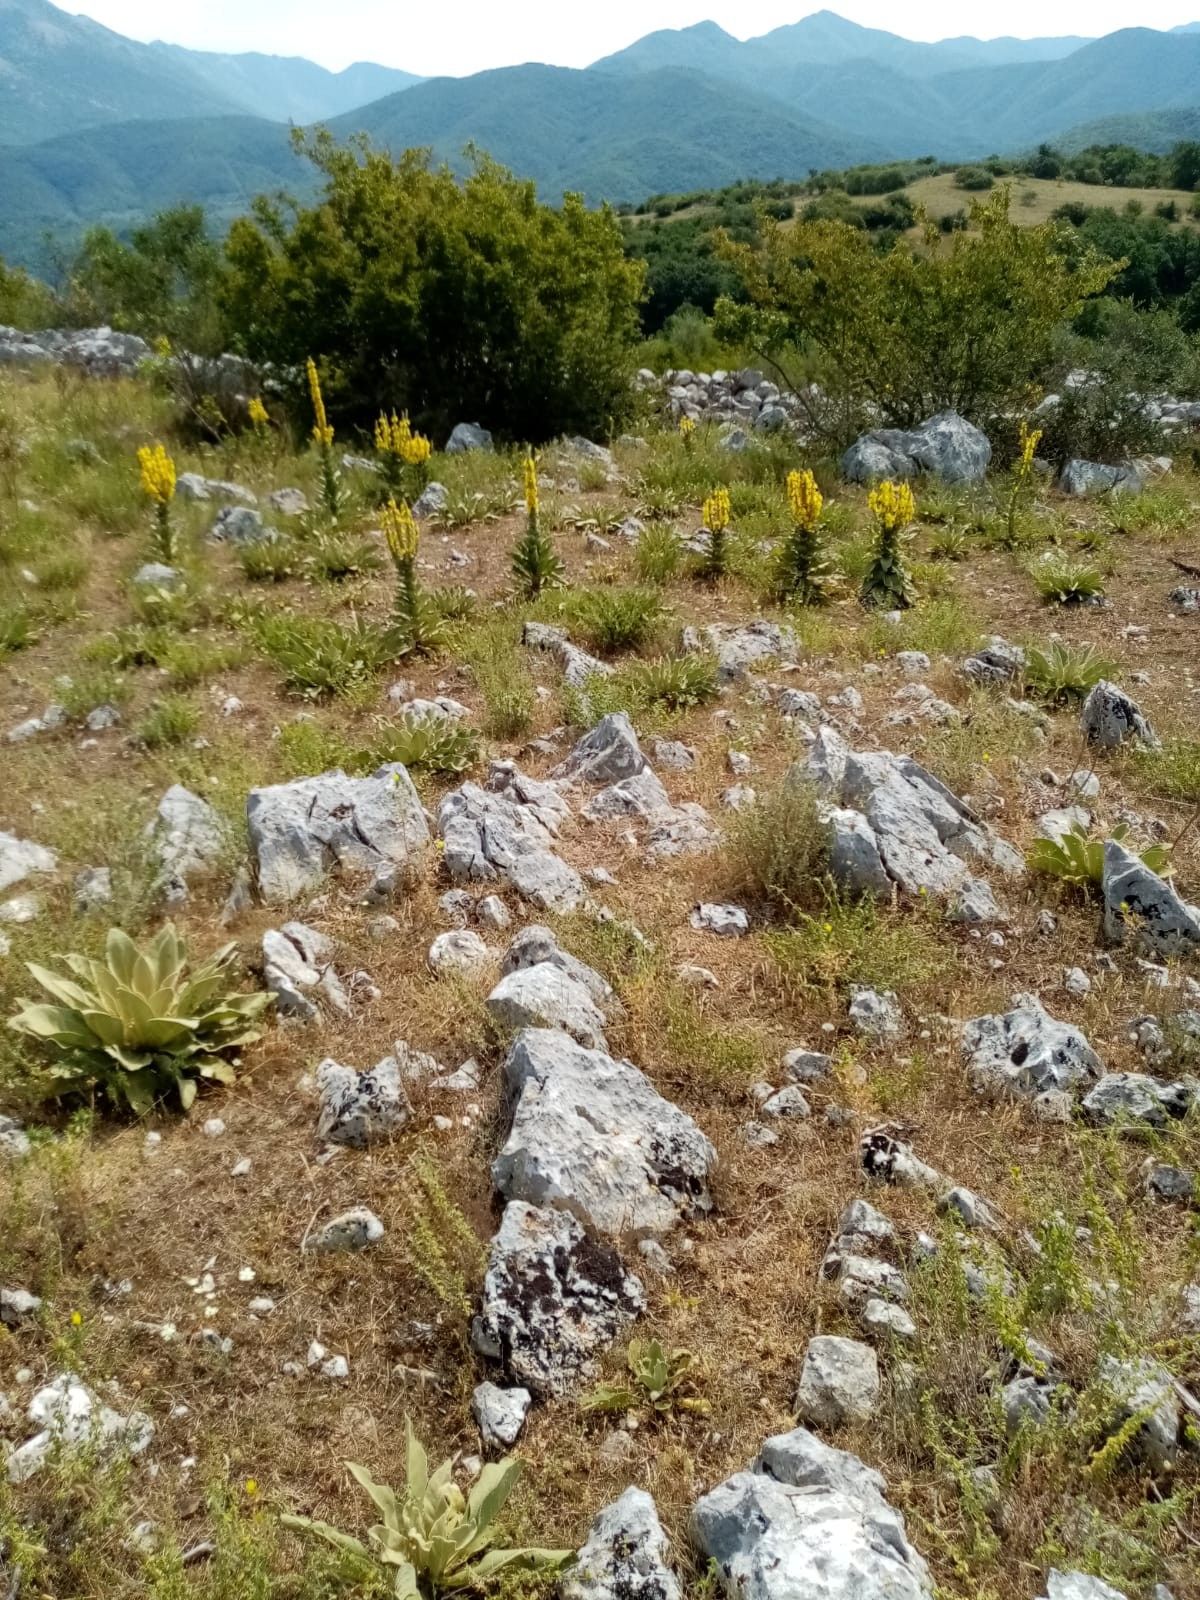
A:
[717,511]
[1030,439]
[158,474]
[530,478]
[892,504]
[322,433]
[417,450]
[986,757]
[804,498]
[77,1319]
[687,427]
[400,530]
[257,412]
[252,1487]
[827,927]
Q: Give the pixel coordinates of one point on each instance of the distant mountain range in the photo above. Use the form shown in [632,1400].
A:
[677,110]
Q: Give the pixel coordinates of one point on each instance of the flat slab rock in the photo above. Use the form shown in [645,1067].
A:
[624,1556]
[893,823]
[545,996]
[554,1299]
[1025,1051]
[505,832]
[302,831]
[808,1522]
[591,1135]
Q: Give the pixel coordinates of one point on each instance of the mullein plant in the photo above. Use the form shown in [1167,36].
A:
[535,562]
[802,573]
[1022,478]
[717,514]
[403,455]
[158,485]
[331,482]
[687,432]
[416,625]
[887,585]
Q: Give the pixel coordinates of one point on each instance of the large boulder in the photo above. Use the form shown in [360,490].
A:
[947,446]
[544,996]
[553,1300]
[593,1136]
[625,1555]
[1138,901]
[1025,1051]
[1080,478]
[302,831]
[468,436]
[808,1522]
[505,832]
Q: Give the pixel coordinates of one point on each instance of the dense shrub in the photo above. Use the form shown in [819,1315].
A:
[973,178]
[449,299]
[914,333]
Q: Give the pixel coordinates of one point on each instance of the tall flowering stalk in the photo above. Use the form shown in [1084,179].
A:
[1022,476]
[803,570]
[416,626]
[331,483]
[158,485]
[687,431]
[717,514]
[403,454]
[887,585]
[535,562]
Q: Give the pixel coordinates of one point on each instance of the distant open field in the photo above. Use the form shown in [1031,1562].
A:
[939,196]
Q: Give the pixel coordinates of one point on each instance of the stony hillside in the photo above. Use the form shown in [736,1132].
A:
[733,1049]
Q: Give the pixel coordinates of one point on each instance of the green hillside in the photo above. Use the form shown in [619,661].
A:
[613,138]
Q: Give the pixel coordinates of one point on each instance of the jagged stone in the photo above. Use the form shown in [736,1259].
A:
[624,1556]
[468,436]
[1138,901]
[577,665]
[500,1414]
[1026,1051]
[546,996]
[741,647]
[1110,718]
[505,832]
[194,486]
[302,831]
[536,946]
[839,1382]
[68,1413]
[1138,1097]
[358,1108]
[241,525]
[998,662]
[459,953]
[592,1135]
[188,837]
[1144,1388]
[1080,478]
[808,1522]
[605,754]
[1080,1586]
[298,970]
[553,1299]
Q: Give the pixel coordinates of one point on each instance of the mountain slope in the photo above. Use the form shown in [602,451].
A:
[288,88]
[121,174]
[615,137]
[59,72]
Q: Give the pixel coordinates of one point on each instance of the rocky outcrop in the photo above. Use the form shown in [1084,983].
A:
[740,648]
[1110,718]
[554,1299]
[808,1522]
[591,1135]
[892,824]
[1080,478]
[504,833]
[1025,1052]
[300,832]
[1138,902]
[947,447]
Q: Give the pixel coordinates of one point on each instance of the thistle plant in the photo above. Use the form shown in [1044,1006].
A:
[403,455]
[887,585]
[1022,477]
[803,572]
[716,522]
[416,624]
[158,485]
[331,482]
[535,563]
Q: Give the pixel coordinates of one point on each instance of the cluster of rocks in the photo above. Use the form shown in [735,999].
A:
[100,351]
[740,400]
[946,447]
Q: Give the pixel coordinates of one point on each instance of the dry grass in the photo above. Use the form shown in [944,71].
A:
[97,1207]
[940,196]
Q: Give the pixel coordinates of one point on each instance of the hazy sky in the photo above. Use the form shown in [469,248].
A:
[461,36]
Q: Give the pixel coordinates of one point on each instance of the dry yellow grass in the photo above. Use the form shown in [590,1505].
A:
[940,196]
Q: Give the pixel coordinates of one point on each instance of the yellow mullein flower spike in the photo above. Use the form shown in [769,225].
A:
[804,498]
[322,433]
[416,450]
[158,474]
[1030,439]
[717,511]
[257,412]
[687,426]
[530,477]
[892,504]
[400,530]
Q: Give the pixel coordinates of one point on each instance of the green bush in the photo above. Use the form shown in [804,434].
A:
[137,1024]
[777,848]
[612,620]
[973,178]
[490,306]
[320,657]
[170,721]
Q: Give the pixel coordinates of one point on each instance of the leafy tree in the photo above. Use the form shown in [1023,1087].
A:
[965,322]
[164,282]
[449,299]
[1185,165]
[24,302]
